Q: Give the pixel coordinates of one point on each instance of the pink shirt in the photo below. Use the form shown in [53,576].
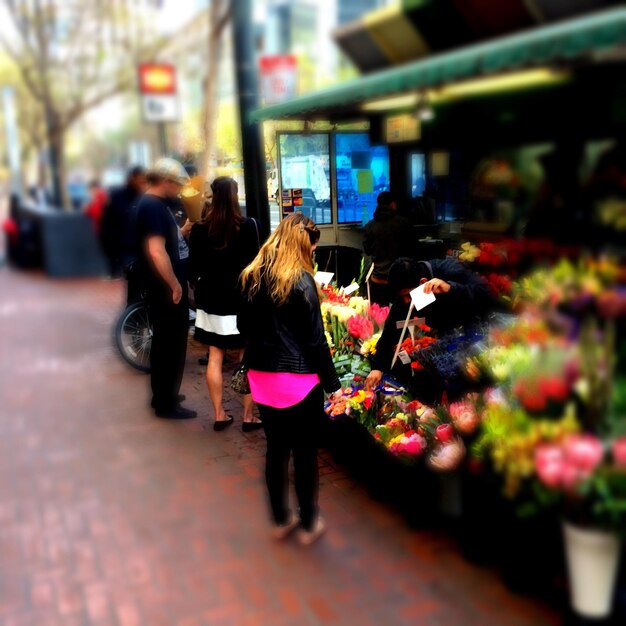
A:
[280,390]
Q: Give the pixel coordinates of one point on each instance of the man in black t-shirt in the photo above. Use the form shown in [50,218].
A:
[162,262]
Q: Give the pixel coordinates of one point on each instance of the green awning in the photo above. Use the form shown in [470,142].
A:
[566,41]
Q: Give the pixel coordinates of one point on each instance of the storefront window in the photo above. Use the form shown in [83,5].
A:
[418,174]
[362,173]
[305,166]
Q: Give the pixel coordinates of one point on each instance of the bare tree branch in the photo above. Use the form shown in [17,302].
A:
[221,23]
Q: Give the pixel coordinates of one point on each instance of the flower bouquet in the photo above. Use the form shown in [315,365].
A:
[420,340]
[356,403]
[586,480]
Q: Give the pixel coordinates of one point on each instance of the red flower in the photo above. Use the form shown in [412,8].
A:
[444,433]
[554,389]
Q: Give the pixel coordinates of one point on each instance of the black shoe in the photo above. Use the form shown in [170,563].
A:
[177,413]
[181,397]
[203,360]
[248,427]
[223,424]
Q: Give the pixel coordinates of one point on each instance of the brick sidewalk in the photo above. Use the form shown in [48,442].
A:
[109,516]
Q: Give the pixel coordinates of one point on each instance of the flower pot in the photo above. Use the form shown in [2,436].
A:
[592,561]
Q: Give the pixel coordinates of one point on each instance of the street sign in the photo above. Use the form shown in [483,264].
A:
[279,78]
[159,98]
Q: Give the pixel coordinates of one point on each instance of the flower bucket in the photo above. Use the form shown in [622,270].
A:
[592,561]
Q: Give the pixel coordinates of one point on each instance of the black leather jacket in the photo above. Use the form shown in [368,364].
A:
[290,337]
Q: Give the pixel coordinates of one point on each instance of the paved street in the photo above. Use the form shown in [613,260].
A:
[112,517]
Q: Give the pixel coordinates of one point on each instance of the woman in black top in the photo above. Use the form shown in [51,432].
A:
[221,244]
[290,366]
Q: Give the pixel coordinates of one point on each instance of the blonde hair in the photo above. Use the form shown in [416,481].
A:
[283,259]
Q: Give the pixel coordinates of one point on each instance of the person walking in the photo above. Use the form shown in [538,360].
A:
[116,234]
[289,366]
[97,202]
[162,263]
[221,244]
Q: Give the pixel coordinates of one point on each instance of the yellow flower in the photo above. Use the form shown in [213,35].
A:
[358,304]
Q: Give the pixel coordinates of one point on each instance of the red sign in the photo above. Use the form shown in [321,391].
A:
[279,78]
[157,79]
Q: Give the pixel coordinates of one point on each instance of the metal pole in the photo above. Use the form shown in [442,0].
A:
[257,204]
[162,138]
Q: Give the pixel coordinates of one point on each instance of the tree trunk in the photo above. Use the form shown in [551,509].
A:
[57,170]
[209,109]
[56,160]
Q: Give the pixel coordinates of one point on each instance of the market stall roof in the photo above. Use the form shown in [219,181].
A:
[540,47]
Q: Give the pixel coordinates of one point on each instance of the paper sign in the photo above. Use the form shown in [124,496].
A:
[440,163]
[350,289]
[365,181]
[421,299]
[323,278]
[287,201]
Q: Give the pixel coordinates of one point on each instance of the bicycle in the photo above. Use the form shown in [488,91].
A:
[133,329]
[133,336]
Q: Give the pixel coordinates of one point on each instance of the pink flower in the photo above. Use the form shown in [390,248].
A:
[464,417]
[378,313]
[415,445]
[551,474]
[571,476]
[619,452]
[360,327]
[584,451]
[547,454]
[550,465]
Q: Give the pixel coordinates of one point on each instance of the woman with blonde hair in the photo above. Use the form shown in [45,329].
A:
[221,244]
[289,367]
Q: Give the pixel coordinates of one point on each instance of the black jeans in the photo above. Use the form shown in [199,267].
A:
[294,429]
[170,327]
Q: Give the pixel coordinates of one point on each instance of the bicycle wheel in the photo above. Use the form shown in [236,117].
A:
[133,336]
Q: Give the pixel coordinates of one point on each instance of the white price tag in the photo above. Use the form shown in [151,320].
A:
[420,299]
[404,357]
[323,278]
[350,289]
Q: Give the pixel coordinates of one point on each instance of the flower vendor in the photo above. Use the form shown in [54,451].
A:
[388,237]
[463,298]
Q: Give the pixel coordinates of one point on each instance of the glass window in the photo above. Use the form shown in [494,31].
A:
[362,173]
[305,165]
[418,174]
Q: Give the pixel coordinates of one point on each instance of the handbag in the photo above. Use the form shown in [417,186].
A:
[239,382]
